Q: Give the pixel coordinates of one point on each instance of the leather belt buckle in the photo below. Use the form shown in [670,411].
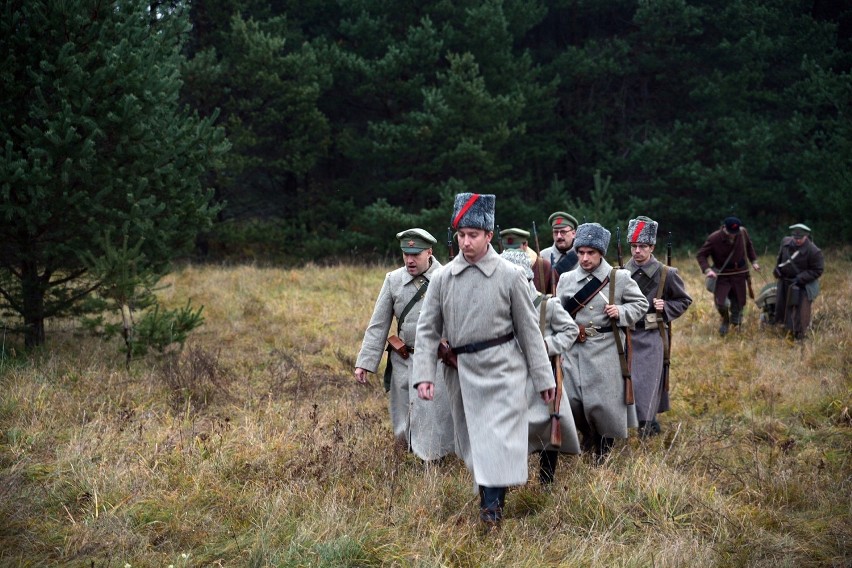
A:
[592,332]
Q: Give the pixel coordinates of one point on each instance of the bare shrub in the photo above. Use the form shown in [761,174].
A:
[194,378]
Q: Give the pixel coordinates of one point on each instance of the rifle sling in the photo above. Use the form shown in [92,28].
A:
[575,303]
[660,323]
[622,356]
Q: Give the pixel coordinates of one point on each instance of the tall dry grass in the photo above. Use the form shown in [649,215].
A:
[254,447]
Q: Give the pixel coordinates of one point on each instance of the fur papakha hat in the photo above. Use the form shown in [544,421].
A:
[592,235]
[520,259]
[474,210]
[642,230]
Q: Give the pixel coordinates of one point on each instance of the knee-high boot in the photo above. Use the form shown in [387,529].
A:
[726,319]
[547,466]
[736,314]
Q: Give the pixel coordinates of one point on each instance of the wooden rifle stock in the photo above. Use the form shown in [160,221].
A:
[555,428]
[628,391]
[618,246]
[541,280]
[668,347]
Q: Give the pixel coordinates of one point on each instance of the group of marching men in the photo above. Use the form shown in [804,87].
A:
[519,352]
[554,351]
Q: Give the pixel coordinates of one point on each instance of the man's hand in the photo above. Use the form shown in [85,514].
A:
[361,375]
[711,273]
[548,395]
[611,310]
[659,304]
[426,390]
[756,265]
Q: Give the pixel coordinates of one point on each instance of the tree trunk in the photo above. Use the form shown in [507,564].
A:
[33,296]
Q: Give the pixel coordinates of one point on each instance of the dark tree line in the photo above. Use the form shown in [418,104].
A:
[316,130]
[350,120]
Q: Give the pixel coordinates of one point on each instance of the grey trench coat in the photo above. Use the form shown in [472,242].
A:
[476,302]
[427,425]
[592,368]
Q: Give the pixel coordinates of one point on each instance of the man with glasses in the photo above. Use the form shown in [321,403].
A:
[561,255]
[798,269]
[667,299]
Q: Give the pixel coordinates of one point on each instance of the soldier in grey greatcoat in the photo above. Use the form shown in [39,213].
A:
[648,341]
[559,331]
[424,427]
[481,304]
[593,371]
[561,255]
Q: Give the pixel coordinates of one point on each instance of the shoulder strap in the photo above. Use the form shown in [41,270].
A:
[414,299]
[573,304]
[663,275]
[542,312]
[622,356]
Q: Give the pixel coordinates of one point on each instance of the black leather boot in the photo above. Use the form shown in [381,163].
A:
[726,319]
[547,466]
[492,500]
[736,314]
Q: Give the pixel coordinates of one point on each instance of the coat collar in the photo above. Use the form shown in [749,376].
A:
[601,272]
[649,268]
[430,272]
[487,264]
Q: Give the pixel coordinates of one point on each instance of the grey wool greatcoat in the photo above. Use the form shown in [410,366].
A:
[428,422]
[560,331]
[646,342]
[472,303]
[592,369]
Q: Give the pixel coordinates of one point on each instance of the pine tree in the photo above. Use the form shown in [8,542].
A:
[94,142]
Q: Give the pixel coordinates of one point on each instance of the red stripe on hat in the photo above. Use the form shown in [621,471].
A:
[464,209]
[639,226]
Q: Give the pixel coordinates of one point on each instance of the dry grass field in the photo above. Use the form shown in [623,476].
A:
[255,447]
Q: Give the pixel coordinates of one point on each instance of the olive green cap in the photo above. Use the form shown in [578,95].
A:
[562,220]
[514,238]
[414,241]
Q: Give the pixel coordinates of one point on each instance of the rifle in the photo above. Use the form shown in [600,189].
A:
[541,280]
[450,242]
[555,429]
[618,247]
[667,339]
[499,240]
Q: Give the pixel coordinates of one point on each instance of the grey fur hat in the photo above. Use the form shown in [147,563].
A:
[474,210]
[520,259]
[592,235]
[642,230]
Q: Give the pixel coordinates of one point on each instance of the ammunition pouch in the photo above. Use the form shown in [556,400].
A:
[446,354]
[794,295]
[398,346]
[581,337]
